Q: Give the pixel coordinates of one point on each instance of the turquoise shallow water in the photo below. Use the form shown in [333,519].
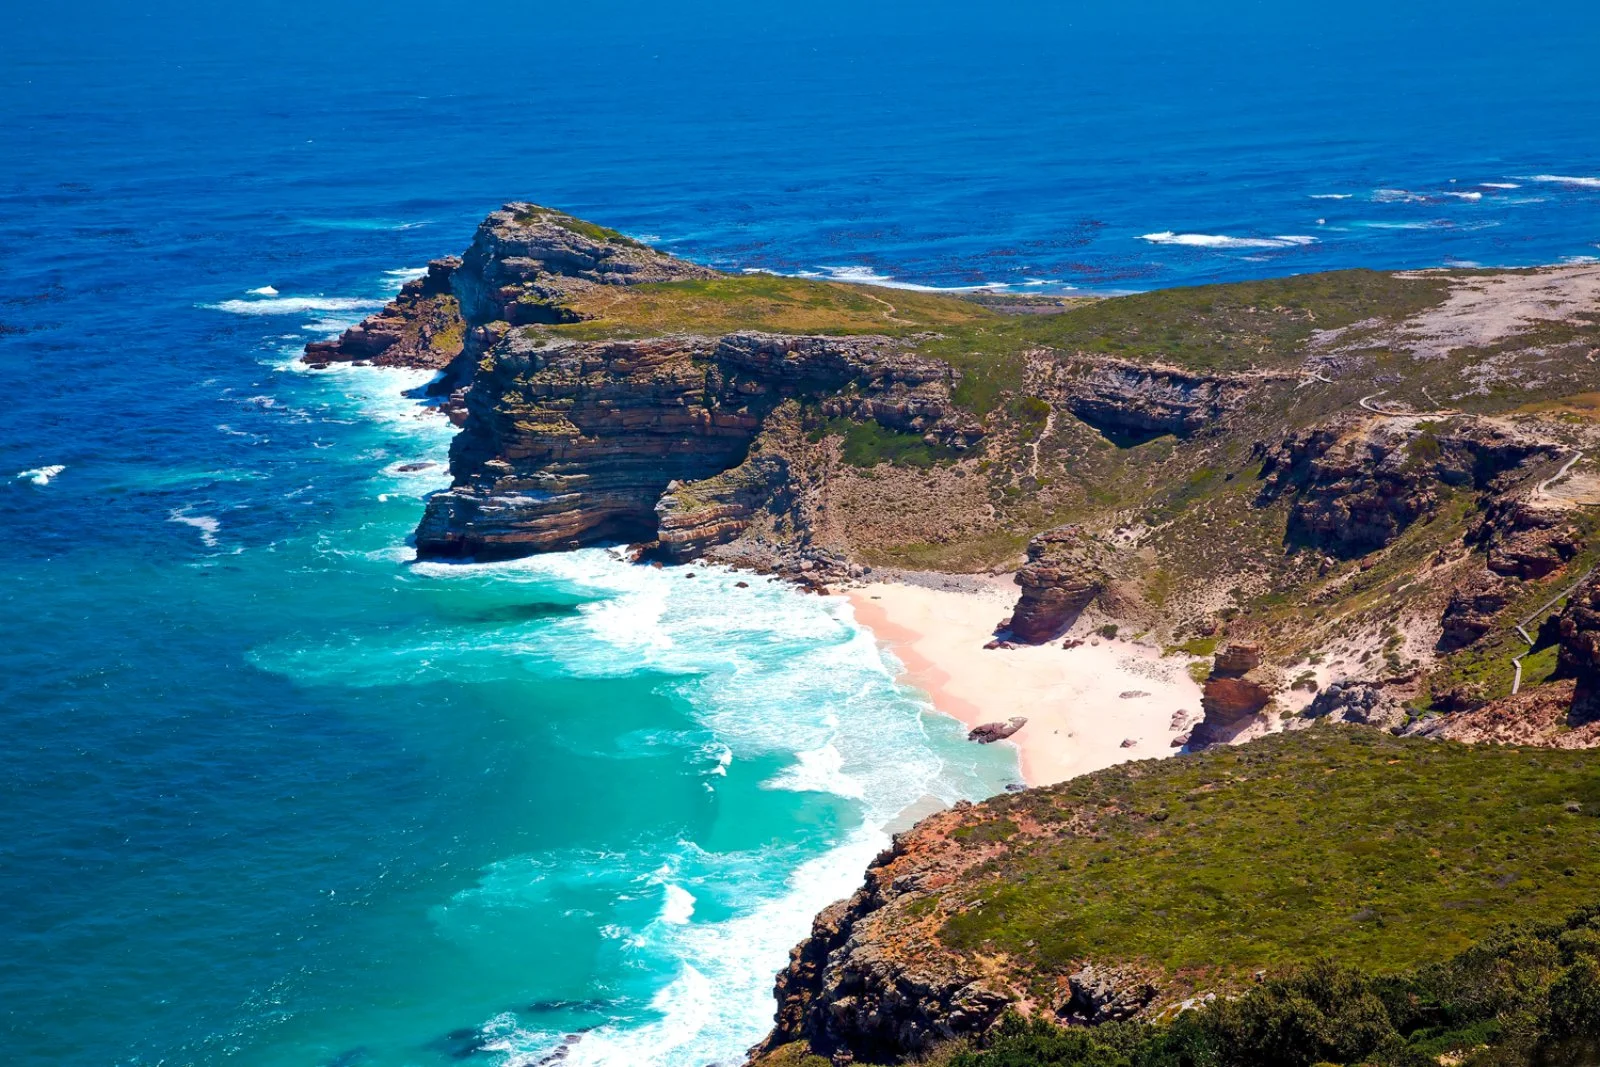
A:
[268,794]
[415,813]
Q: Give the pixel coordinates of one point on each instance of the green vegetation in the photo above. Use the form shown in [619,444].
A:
[1216,328]
[1484,667]
[583,228]
[1382,852]
[958,556]
[449,339]
[867,444]
[1030,412]
[722,305]
[1195,646]
[1209,328]
[1523,997]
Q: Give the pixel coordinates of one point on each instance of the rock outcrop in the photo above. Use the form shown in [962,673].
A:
[420,327]
[1472,610]
[1238,689]
[1063,575]
[567,443]
[527,262]
[1356,484]
[1101,994]
[1131,402]
[990,732]
[858,987]
[1538,716]
[1580,651]
[1357,702]
[1525,540]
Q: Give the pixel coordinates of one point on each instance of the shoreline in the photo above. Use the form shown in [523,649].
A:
[1082,704]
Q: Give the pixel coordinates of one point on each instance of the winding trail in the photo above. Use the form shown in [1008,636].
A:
[892,312]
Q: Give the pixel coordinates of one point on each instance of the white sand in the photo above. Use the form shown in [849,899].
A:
[1077,717]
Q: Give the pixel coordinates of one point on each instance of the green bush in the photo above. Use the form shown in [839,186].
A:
[867,444]
[1508,1001]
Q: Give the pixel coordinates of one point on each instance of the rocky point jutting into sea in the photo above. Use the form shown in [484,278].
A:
[1354,505]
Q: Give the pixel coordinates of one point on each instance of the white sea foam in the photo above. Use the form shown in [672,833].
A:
[265,290]
[41,475]
[1500,185]
[859,275]
[1472,196]
[208,525]
[1332,196]
[1398,196]
[1566,179]
[764,672]
[677,905]
[817,770]
[294,305]
[1222,241]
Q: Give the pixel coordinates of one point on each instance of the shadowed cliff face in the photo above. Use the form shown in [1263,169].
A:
[1357,483]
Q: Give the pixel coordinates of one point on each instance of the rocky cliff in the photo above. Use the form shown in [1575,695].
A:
[1356,483]
[567,443]
[1580,652]
[420,327]
[1135,891]
[1064,572]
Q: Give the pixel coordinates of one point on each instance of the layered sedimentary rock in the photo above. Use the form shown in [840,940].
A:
[1129,402]
[420,327]
[527,262]
[1473,609]
[1239,688]
[1060,579]
[1580,651]
[692,517]
[1358,483]
[568,443]
[1526,540]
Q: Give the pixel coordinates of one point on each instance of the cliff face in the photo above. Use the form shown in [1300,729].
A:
[1580,652]
[421,327]
[567,443]
[1061,577]
[527,263]
[1356,484]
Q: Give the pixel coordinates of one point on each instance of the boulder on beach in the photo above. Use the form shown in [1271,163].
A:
[990,732]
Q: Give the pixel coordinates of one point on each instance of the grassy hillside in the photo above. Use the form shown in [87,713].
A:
[1385,853]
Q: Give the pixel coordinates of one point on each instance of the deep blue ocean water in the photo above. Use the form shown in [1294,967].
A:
[269,794]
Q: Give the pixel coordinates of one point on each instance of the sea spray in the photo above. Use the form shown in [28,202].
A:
[773,693]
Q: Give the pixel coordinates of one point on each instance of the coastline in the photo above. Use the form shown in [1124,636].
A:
[1082,703]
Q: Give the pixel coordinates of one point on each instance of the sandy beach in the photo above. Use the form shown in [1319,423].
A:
[1081,703]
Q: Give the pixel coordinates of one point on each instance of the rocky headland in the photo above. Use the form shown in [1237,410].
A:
[1349,506]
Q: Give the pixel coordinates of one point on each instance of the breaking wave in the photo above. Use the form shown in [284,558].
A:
[1222,241]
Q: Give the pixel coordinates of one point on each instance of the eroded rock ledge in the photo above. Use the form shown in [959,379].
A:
[568,443]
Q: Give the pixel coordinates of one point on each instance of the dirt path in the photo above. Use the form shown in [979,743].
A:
[890,312]
[1049,424]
